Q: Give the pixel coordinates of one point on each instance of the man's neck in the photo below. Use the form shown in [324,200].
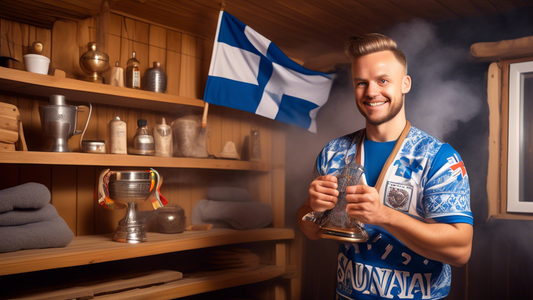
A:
[386,132]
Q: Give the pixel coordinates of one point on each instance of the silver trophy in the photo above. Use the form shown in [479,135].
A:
[336,224]
[127,188]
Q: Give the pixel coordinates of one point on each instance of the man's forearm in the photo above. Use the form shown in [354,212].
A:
[447,243]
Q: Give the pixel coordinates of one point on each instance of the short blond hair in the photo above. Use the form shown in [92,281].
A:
[370,43]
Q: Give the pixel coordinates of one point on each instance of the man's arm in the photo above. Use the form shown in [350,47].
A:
[447,243]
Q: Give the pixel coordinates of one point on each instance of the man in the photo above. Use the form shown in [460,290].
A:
[414,198]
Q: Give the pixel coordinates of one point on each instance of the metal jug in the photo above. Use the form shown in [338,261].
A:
[59,122]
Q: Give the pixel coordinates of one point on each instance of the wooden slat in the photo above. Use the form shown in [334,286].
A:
[86,186]
[493,172]
[201,283]
[84,250]
[63,195]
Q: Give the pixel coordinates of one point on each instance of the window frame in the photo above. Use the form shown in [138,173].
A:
[497,175]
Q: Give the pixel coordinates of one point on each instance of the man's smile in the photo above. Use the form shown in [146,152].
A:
[375,103]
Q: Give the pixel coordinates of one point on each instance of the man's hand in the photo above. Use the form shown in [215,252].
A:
[322,196]
[323,193]
[365,205]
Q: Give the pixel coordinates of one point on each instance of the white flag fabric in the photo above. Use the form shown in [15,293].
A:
[250,73]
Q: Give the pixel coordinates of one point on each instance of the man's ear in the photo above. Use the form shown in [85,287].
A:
[406,84]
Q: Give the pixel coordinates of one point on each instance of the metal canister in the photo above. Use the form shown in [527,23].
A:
[155,79]
[118,136]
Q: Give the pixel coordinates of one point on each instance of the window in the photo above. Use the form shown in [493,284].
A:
[520,141]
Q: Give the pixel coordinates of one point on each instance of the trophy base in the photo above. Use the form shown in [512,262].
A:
[354,235]
[132,234]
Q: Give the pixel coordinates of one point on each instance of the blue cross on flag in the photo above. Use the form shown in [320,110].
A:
[248,72]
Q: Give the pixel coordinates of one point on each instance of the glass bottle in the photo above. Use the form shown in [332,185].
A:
[133,73]
[143,141]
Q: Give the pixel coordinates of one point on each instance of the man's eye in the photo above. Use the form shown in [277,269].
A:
[383,81]
[361,84]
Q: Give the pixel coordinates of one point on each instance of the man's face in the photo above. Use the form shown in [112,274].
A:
[380,82]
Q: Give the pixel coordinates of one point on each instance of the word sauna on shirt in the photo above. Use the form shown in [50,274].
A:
[387,283]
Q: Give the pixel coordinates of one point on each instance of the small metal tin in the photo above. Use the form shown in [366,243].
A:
[89,146]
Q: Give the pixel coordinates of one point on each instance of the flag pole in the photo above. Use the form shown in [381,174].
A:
[206,104]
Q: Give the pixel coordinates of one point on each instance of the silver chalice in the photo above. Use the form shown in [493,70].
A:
[130,187]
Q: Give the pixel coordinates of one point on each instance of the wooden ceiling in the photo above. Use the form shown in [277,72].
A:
[306,30]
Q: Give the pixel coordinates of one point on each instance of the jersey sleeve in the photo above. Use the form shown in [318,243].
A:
[446,196]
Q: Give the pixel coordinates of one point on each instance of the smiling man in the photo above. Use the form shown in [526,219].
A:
[414,198]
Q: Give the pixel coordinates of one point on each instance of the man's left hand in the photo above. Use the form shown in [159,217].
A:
[364,204]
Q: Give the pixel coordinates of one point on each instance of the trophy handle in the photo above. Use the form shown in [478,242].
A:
[158,199]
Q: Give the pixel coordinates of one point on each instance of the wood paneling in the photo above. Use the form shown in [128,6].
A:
[303,29]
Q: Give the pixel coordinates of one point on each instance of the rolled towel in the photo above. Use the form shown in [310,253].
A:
[29,195]
[239,215]
[46,234]
[26,216]
[226,193]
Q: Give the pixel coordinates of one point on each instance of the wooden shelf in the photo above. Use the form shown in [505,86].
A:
[115,160]
[91,249]
[201,283]
[27,83]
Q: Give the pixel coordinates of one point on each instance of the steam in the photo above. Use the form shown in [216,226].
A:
[441,97]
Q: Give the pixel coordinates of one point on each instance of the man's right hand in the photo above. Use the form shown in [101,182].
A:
[323,193]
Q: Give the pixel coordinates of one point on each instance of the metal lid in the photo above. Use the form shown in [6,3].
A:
[57,100]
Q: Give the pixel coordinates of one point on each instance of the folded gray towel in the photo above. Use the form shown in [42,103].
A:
[239,215]
[46,234]
[26,216]
[28,195]
[226,193]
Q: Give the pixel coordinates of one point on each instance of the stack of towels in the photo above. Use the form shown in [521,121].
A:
[29,221]
[230,207]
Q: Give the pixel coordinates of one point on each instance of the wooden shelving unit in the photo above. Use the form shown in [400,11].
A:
[71,177]
[111,160]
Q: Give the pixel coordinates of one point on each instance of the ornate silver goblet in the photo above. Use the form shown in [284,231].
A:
[130,187]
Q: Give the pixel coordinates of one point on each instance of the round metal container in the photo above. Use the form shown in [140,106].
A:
[93,146]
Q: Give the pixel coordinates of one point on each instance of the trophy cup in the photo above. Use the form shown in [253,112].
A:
[125,189]
[336,224]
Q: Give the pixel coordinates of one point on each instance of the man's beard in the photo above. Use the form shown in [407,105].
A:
[389,116]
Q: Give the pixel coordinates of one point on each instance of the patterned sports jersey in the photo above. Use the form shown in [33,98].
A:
[426,180]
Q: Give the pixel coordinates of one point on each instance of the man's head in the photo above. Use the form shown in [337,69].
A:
[380,79]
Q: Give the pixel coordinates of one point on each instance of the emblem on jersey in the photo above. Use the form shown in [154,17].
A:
[406,168]
[457,167]
[398,196]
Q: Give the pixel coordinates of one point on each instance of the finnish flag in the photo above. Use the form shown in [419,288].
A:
[248,72]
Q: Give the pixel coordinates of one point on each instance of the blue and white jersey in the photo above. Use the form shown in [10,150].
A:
[423,178]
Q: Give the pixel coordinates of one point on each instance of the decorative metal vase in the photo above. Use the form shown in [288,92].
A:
[155,79]
[94,63]
[130,187]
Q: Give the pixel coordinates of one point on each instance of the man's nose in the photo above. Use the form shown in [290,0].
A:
[372,90]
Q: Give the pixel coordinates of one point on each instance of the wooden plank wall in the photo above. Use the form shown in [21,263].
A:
[185,59]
